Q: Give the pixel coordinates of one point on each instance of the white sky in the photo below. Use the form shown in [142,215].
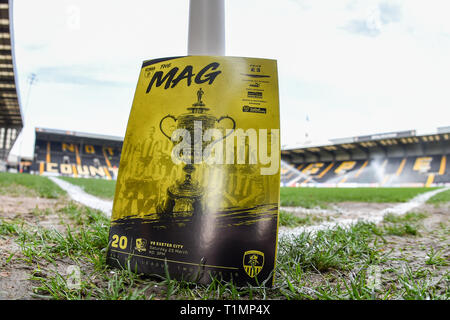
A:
[352,67]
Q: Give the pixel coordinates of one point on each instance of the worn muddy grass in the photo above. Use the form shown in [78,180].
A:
[321,197]
[98,187]
[291,220]
[361,262]
[19,184]
[407,224]
[41,248]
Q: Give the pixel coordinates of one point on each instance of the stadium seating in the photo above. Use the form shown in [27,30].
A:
[395,171]
[76,159]
[76,154]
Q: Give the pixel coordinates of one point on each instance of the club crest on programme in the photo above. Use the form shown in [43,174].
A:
[253,262]
[141,244]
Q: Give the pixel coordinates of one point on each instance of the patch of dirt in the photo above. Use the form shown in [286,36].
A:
[415,251]
[17,190]
[32,211]
[12,206]
[15,283]
[408,255]
[346,210]
[361,208]
[434,233]
[437,214]
[14,272]
[344,214]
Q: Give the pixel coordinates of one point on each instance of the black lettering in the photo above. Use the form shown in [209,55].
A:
[169,80]
[210,76]
[185,74]
[158,77]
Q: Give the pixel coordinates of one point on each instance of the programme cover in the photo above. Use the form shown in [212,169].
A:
[197,192]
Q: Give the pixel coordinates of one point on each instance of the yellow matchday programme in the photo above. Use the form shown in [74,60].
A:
[198,184]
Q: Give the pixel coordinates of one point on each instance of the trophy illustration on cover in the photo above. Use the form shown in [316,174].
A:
[184,196]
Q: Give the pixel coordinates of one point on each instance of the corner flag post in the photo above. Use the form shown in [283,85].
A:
[206,35]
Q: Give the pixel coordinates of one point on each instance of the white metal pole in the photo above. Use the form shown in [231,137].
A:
[206,27]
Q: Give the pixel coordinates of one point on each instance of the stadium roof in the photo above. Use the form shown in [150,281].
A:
[367,144]
[68,136]
[11,120]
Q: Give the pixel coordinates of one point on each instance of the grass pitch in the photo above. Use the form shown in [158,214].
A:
[320,197]
[303,197]
[98,187]
[440,198]
[19,184]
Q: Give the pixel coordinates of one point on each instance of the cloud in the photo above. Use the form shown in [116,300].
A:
[78,75]
[362,27]
[355,66]
[375,20]
[36,46]
[389,12]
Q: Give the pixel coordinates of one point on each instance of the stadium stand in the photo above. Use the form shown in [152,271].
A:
[76,154]
[387,159]
[11,120]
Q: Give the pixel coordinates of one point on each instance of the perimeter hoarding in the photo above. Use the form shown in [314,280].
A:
[197,193]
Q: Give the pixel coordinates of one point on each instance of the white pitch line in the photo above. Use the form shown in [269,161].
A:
[79,195]
[375,217]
